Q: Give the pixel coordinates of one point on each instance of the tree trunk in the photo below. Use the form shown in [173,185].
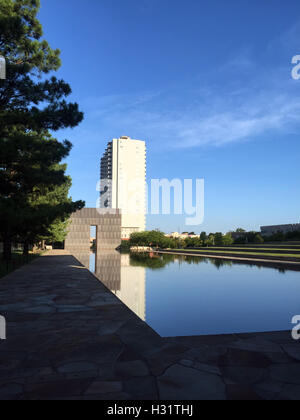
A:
[7,248]
[25,249]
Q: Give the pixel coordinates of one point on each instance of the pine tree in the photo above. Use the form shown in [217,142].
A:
[29,108]
[46,211]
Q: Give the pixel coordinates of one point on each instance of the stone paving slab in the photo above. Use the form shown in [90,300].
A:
[70,338]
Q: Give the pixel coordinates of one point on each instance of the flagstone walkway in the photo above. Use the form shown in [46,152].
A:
[68,337]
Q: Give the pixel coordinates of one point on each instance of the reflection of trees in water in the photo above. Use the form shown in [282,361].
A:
[218,262]
[230,263]
[191,260]
[258,265]
[154,261]
[159,261]
[221,263]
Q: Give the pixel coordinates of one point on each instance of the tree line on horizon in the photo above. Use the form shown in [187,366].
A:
[158,239]
[34,188]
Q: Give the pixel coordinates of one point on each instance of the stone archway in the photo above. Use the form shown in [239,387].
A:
[108,230]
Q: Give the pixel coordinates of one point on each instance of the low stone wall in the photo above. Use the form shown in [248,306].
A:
[141,249]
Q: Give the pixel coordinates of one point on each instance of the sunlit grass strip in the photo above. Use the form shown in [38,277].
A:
[246,249]
[265,245]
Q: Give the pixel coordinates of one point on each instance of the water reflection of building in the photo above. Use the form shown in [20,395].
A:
[108,270]
[128,283]
[133,287]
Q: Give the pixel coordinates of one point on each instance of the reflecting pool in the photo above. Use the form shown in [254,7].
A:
[179,296]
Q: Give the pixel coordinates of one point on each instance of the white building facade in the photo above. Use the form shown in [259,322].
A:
[123,182]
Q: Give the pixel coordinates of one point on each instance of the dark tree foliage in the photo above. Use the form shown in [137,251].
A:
[31,106]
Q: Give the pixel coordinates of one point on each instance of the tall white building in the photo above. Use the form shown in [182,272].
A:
[123,182]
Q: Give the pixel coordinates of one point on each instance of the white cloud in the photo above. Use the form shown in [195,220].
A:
[266,102]
[214,123]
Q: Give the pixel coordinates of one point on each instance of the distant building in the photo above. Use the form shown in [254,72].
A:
[271,230]
[123,182]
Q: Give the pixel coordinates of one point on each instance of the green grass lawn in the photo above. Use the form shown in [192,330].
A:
[295,246]
[247,249]
[259,254]
[17,261]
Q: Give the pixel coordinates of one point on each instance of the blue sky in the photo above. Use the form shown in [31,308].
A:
[206,83]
